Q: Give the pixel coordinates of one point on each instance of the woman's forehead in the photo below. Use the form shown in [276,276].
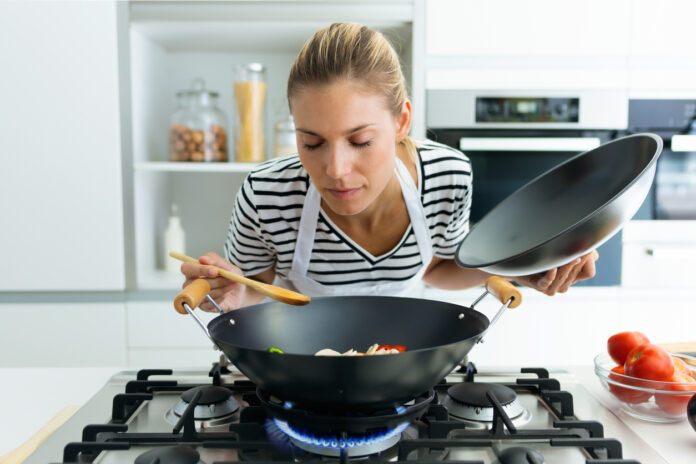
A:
[339,106]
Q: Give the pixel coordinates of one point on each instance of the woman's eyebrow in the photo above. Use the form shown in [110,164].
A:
[349,131]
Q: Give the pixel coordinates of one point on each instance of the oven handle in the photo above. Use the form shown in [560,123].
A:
[683,142]
[528,143]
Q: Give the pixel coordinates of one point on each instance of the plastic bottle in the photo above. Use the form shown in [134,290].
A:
[174,240]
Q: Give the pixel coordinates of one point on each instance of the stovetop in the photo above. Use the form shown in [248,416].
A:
[138,412]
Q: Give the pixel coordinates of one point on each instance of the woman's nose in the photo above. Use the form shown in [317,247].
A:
[340,163]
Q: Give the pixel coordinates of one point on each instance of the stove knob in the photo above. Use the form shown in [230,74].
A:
[691,411]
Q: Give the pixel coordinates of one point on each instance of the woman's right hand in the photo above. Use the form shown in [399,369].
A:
[227,294]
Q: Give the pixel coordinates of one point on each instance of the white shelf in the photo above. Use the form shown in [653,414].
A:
[166,166]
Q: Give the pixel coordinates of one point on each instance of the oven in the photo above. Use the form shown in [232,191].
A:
[673,196]
[513,136]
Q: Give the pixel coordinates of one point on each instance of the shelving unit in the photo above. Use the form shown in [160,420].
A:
[172,43]
[167,166]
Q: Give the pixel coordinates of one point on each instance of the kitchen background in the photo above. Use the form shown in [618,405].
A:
[89,97]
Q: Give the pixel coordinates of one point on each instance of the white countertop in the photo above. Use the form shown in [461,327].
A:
[26,410]
[33,396]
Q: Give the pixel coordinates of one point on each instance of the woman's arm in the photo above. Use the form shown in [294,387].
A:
[445,274]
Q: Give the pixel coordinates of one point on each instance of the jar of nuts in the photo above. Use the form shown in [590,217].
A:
[197,129]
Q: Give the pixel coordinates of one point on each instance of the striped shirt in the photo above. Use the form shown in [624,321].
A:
[267,211]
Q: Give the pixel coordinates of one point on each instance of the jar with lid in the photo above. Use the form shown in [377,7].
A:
[249,94]
[197,129]
[285,140]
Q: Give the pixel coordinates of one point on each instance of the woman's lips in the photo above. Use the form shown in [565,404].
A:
[343,194]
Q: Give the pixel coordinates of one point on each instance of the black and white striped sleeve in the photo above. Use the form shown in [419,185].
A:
[245,246]
[445,243]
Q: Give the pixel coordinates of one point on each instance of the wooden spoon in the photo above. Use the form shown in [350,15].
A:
[277,293]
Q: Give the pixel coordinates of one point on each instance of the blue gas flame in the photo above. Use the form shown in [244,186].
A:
[336,442]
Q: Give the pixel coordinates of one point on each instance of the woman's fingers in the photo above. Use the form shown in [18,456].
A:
[571,278]
[562,276]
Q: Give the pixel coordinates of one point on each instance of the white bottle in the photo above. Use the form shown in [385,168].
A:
[174,240]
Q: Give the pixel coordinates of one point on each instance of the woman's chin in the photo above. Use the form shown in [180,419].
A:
[346,207]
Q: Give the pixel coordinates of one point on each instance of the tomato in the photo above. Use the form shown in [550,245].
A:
[399,348]
[650,362]
[680,367]
[621,343]
[676,404]
[627,395]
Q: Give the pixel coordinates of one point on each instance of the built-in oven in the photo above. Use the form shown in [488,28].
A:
[511,137]
[674,192]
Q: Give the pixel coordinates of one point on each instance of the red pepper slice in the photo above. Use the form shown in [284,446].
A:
[399,348]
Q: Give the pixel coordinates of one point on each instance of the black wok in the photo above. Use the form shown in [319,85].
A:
[566,212]
[437,336]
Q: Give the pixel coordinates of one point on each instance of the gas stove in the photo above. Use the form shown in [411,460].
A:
[219,416]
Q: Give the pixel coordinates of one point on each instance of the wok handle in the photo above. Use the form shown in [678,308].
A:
[503,291]
[192,295]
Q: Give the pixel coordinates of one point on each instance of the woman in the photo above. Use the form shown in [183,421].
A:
[361,209]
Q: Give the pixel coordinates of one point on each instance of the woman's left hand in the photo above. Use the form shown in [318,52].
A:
[560,279]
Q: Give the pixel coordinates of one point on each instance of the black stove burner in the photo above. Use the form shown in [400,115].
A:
[468,401]
[520,455]
[318,420]
[474,394]
[215,403]
[170,455]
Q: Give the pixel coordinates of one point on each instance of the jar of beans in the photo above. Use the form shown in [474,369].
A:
[197,126]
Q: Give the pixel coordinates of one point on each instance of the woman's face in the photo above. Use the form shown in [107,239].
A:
[346,139]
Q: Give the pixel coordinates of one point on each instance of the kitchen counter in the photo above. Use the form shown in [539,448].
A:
[676,443]
[33,396]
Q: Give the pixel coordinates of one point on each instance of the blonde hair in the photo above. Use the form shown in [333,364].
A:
[352,51]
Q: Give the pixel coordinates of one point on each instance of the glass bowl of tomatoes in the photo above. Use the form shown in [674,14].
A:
[649,400]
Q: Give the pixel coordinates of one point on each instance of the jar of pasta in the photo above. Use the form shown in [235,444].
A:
[249,95]
[197,126]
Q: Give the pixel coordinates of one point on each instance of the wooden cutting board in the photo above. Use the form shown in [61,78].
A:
[19,454]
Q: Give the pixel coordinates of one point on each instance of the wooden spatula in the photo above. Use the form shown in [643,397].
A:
[277,293]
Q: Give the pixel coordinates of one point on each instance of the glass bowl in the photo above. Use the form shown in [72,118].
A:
[649,400]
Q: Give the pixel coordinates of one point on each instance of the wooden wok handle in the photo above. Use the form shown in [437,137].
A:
[192,295]
[503,291]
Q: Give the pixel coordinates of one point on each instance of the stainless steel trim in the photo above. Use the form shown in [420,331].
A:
[578,144]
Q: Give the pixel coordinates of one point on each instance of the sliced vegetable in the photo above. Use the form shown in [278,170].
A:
[275,349]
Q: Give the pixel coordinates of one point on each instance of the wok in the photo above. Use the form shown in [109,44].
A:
[437,336]
[566,212]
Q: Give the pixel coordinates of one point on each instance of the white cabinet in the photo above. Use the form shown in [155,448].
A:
[62,334]
[662,60]
[534,27]
[659,254]
[171,43]
[60,184]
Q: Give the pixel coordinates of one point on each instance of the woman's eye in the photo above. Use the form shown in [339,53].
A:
[362,144]
[312,147]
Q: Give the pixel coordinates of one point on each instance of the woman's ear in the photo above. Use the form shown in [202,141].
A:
[403,121]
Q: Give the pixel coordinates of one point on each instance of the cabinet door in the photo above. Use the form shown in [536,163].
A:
[534,27]
[60,178]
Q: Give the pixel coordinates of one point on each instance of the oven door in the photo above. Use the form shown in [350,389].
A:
[505,160]
[675,180]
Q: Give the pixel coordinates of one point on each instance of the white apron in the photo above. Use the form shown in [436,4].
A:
[297,276]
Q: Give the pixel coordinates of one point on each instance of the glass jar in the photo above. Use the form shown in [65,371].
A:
[285,140]
[249,95]
[197,126]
